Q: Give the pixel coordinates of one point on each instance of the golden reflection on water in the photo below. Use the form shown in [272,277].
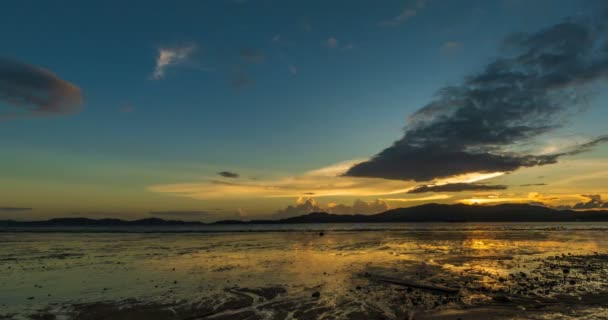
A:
[180,266]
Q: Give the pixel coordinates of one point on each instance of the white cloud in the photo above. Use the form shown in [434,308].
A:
[168,57]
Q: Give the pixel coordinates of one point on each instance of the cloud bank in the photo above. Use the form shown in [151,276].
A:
[305,205]
[595,202]
[483,124]
[36,91]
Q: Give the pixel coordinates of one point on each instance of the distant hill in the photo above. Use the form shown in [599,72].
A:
[424,213]
[460,213]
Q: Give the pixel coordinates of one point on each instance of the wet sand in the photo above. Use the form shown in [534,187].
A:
[436,273]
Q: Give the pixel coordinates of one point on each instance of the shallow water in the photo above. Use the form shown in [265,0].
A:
[222,271]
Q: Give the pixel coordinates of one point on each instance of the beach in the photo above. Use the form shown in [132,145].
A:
[341,271]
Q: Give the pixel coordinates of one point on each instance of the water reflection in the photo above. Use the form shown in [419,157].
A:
[39,269]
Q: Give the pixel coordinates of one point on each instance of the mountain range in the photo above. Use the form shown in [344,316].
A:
[424,213]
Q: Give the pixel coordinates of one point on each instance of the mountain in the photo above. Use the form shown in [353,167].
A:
[434,212]
[86,222]
[431,212]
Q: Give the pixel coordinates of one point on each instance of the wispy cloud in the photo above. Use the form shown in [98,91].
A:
[456,187]
[331,43]
[293,69]
[181,214]
[451,47]
[15,209]
[322,182]
[171,56]
[335,44]
[127,108]
[35,91]
[429,198]
[304,24]
[252,56]
[240,78]
[405,14]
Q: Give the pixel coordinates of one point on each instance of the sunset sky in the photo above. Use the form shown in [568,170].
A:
[245,109]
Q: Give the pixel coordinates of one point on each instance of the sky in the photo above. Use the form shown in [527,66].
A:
[247,109]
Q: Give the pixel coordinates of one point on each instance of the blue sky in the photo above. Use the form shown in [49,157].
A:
[321,82]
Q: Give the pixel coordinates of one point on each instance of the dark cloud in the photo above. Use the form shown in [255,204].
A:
[456,187]
[14,209]
[479,125]
[228,174]
[35,91]
[533,185]
[252,56]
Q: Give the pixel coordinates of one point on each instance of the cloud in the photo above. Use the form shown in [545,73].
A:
[228,174]
[327,181]
[359,207]
[305,25]
[36,91]
[322,182]
[533,185]
[181,214]
[429,198]
[169,57]
[331,43]
[595,202]
[252,56]
[456,187]
[483,124]
[14,209]
[127,108]
[451,47]
[305,205]
[406,14]
[293,70]
[241,79]
[302,206]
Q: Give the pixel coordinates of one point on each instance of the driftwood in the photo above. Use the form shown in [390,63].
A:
[413,284]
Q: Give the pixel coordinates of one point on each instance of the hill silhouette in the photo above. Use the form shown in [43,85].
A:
[432,212]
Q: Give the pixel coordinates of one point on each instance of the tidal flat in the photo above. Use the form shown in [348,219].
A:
[409,271]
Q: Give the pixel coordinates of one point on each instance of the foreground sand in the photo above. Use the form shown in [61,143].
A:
[437,273]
